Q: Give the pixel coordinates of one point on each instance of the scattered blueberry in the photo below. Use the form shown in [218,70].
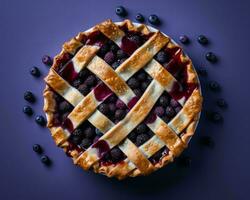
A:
[184,39]
[202,39]
[120,114]
[213,85]
[34,71]
[207,141]
[139,17]
[216,117]
[211,57]
[90,81]
[170,112]
[141,138]
[98,132]
[40,120]
[83,88]
[221,103]
[133,83]
[37,148]
[142,128]
[28,110]
[45,160]
[121,11]
[47,60]
[119,104]
[136,39]
[159,110]
[109,57]
[202,71]
[29,96]
[86,142]
[153,19]
[162,57]
[116,154]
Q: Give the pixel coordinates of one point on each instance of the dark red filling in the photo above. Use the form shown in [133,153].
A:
[166,107]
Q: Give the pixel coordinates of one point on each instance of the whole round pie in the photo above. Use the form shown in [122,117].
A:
[122,99]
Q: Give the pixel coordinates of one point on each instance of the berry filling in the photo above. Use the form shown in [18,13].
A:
[166,107]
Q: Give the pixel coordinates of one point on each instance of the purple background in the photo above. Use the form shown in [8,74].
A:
[30,29]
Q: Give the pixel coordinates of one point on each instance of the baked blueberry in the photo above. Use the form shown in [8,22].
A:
[159,110]
[133,83]
[221,103]
[77,132]
[115,64]
[144,86]
[98,132]
[86,142]
[116,154]
[84,89]
[162,57]
[141,76]
[142,128]
[89,133]
[174,103]
[154,19]
[40,120]
[170,112]
[120,114]
[138,92]
[184,39]
[82,73]
[119,104]
[90,81]
[211,57]
[37,148]
[34,71]
[136,39]
[75,139]
[120,54]
[112,108]
[213,85]
[29,96]
[28,110]
[45,160]
[109,57]
[47,60]
[139,17]
[121,11]
[177,109]
[76,83]
[104,108]
[164,100]
[104,49]
[165,119]
[202,39]
[64,107]
[141,138]
[114,48]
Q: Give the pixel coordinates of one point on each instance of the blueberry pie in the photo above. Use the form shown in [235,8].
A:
[122,99]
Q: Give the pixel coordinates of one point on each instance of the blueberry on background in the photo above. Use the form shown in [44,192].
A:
[121,11]
[45,160]
[213,85]
[202,39]
[47,60]
[29,96]
[34,71]
[28,110]
[184,39]
[211,57]
[153,19]
[40,120]
[221,103]
[216,117]
[139,17]
[37,148]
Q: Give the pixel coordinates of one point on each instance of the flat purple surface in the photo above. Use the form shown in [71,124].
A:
[30,29]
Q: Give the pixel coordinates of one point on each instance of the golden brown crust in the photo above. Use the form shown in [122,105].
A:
[140,165]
